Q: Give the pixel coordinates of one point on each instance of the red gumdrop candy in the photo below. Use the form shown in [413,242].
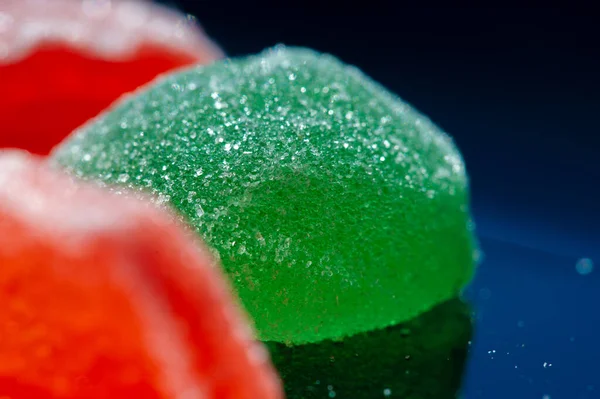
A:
[62,61]
[108,297]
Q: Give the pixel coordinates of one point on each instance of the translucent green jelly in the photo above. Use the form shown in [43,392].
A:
[335,207]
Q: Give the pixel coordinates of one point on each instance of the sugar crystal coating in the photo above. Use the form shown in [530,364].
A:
[108,29]
[334,207]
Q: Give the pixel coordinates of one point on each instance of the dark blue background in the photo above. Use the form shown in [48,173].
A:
[518,89]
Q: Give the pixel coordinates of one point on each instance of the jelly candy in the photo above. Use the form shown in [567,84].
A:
[340,213]
[62,62]
[105,297]
[335,207]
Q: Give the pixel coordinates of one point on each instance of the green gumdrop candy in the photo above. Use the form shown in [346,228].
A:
[335,207]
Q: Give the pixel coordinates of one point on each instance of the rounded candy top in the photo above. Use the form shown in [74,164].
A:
[334,207]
